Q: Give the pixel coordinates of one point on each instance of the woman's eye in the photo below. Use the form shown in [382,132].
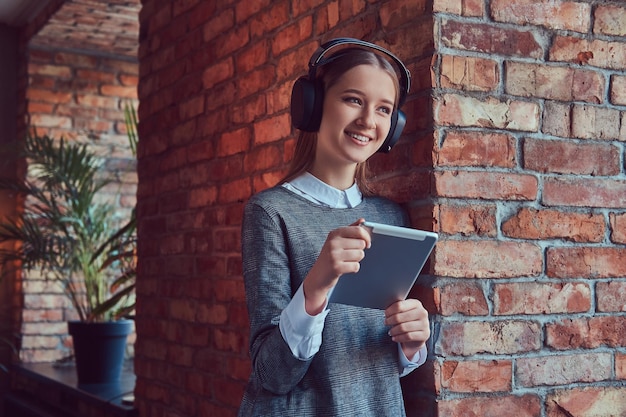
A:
[354,100]
[385,110]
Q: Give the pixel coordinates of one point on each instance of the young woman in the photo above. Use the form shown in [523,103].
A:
[309,357]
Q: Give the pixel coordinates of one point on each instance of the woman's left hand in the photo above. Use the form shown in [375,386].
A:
[409,326]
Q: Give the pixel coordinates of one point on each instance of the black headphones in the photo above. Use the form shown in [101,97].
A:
[307,95]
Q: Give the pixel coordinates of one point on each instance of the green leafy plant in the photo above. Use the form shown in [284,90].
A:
[131,121]
[67,233]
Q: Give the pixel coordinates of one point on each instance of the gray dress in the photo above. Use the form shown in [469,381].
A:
[355,372]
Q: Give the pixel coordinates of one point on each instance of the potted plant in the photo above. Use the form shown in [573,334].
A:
[69,234]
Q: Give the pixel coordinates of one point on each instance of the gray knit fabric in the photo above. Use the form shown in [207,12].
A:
[355,372]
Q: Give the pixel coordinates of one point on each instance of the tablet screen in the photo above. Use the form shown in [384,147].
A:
[390,267]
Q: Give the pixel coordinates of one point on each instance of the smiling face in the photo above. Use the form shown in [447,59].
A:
[356,119]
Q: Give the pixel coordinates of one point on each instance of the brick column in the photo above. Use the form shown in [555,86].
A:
[530,186]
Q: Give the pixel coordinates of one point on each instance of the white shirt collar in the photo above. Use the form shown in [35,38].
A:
[317,191]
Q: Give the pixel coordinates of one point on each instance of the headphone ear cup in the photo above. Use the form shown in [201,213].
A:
[306,105]
[398,120]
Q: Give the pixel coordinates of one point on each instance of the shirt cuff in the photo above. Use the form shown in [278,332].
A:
[301,331]
[407,366]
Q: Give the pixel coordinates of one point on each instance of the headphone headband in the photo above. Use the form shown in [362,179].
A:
[322,50]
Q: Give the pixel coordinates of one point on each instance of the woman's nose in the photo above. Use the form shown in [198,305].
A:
[366,118]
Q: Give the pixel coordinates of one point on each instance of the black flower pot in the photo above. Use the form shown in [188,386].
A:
[99,350]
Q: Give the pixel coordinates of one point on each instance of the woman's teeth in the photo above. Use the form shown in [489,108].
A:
[360,138]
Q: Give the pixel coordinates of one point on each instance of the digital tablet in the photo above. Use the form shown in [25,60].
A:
[389,269]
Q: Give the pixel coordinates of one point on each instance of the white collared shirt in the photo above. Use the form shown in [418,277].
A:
[313,189]
[301,331]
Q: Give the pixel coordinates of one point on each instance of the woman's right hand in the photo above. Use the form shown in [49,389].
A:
[343,250]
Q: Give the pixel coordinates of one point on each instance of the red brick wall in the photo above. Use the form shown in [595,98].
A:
[80,97]
[531,195]
[527,285]
[214,95]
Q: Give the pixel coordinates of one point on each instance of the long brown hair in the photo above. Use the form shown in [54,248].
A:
[328,74]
